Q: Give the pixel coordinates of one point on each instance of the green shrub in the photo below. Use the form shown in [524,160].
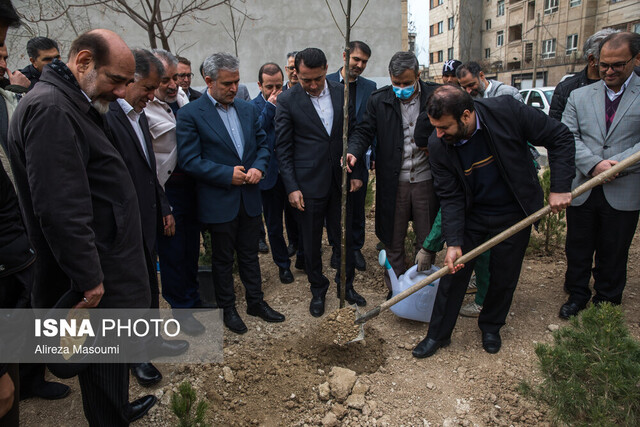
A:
[591,373]
[182,404]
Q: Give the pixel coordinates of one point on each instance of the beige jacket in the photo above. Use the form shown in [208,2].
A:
[162,126]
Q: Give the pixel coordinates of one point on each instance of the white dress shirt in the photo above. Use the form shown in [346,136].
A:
[324,107]
[134,119]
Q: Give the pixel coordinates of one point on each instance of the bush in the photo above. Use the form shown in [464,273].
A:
[591,372]
[182,404]
[551,227]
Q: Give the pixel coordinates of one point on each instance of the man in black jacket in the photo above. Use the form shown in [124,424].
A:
[590,74]
[486,182]
[41,51]
[80,204]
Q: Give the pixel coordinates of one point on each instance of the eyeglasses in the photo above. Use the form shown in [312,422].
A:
[290,68]
[185,75]
[618,66]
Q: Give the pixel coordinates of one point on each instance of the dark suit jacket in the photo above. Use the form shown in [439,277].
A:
[194,94]
[206,151]
[309,158]
[266,115]
[364,88]
[152,202]
[79,202]
[383,121]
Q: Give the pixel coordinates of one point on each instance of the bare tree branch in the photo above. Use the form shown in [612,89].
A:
[334,18]
[360,14]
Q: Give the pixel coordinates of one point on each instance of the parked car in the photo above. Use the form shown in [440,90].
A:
[539,97]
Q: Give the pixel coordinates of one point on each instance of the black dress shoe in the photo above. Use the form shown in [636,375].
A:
[286,276]
[49,390]
[292,249]
[146,374]
[316,307]
[428,347]
[353,297]
[570,309]
[233,321]
[189,324]
[335,261]
[162,347]
[265,312]
[300,264]
[139,407]
[262,246]
[491,342]
[360,263]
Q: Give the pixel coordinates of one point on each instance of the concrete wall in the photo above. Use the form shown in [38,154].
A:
[279,27]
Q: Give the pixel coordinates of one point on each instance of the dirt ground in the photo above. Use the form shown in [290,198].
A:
[273,374]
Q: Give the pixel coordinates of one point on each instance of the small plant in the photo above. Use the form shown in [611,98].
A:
[551,227]
[591,371]
[184,402]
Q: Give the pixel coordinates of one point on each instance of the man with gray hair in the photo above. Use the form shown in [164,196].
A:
[404,189]
[589,75]
[178,253]
[290,68]
[472,79]
[222,145]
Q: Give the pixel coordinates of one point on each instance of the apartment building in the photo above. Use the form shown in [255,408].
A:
[521,37]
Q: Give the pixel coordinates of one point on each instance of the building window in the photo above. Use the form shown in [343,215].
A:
[574,3]
[430,57]
[515,32]
[487,24]
[487,53]
[450,53]
[550,6]
[531,10]
[548,48]
[440,27]
[436,3]
[451,24]
[501,7]
[500,38]
[440,56]
[528,52]
[432,30]
[572,44]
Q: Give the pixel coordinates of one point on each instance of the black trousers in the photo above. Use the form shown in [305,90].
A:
[150,260]
[240,236]
[105,394]
[596,227]
[357,223]
[504,271]
[274,202]
[311,222]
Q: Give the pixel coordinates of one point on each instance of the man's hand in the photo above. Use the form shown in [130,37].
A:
[351,162]
[296,200]
[559,201]
[239,177]
[7,388]
[274,97]
[253,176]
[17,78]
[356,184]
[424,259]
[604,166]
[93,296]
[453,253]
[169,225]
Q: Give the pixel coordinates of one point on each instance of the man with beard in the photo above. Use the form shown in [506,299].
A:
[449,72]
[290,68]
[41,51]
[80,204]
[178,253]
[471,78]
[486,182]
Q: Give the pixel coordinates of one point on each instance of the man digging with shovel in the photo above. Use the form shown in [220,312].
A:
[486,182]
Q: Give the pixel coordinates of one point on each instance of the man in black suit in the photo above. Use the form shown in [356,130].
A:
[131,137]
[80,204]
[309,124]
[184,78]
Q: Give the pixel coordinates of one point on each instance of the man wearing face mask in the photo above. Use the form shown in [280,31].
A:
[404,190]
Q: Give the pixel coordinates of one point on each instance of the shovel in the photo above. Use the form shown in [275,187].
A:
[593,182]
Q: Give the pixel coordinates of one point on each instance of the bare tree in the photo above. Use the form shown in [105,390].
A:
[345,135]
[236,23]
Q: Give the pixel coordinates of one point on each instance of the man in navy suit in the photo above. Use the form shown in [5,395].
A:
[309,123]
[359,91]
[274,196]
[221,144]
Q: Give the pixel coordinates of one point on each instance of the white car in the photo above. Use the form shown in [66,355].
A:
[539,97]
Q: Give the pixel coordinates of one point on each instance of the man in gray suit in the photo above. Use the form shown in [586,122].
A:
[605,120]
[471,78]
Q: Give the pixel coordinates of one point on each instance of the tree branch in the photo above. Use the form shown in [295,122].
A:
[334,18]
